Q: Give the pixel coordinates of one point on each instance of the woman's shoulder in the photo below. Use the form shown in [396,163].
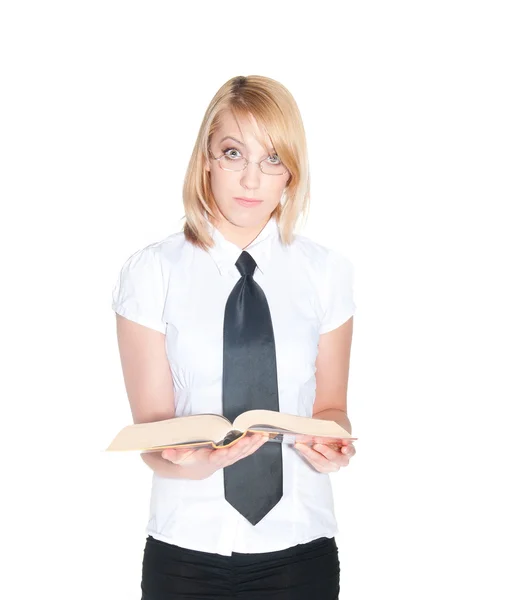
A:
[316,256]
[304,244]
[141,286]
[166,250]
[332,272]
[169,248]
[154,261]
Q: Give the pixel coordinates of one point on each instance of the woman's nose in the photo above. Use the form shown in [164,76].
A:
[251,176]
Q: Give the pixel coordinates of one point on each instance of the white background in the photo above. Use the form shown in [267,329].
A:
[404,105]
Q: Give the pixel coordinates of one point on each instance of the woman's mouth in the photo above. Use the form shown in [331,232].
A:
[248,201]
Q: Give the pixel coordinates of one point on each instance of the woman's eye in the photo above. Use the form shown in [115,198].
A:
[232,153]
[274,159]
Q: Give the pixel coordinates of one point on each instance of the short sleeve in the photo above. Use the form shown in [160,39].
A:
[139,292]
[337,292]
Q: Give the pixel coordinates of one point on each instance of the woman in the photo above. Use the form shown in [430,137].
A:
[235,313]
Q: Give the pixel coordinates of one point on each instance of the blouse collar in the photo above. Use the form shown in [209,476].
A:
[225,253]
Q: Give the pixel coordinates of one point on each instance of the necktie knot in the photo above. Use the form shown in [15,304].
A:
[246,264]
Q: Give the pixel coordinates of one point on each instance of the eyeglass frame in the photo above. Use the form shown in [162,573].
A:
[246,165]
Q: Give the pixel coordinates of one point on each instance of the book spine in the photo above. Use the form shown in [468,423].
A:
[233,435]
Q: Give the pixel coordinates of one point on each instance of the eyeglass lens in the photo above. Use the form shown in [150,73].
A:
[229,163]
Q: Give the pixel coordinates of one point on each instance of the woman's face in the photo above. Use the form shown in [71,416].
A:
[229,187]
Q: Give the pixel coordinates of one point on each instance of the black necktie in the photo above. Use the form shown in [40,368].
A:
[253,485]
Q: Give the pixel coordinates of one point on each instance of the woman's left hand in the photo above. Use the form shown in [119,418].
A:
[324,458]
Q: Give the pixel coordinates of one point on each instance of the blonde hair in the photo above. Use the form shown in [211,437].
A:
[274,108]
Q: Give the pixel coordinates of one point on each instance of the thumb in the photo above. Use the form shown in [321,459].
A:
[175,455]
[168,453]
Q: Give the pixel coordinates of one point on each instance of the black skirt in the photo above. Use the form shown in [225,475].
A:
[304,572]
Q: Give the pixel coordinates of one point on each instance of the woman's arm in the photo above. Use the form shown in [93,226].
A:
[149,385]
[332,375]
[331,397]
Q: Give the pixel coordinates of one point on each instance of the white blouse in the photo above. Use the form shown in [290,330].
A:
[181,290]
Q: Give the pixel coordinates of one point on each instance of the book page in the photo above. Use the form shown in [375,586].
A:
[268,420]
[229,440]
[198,429]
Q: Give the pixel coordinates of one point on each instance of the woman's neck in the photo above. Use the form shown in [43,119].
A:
[240,236]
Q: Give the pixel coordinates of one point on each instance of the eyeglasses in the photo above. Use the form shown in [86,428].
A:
[233,163]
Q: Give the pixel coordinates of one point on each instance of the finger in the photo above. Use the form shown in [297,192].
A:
[223,456]
[221,452]
[254,442]
[242,448]
[331,455]
[318,460]
[308,455]
[185,455]
[175,454]
[261,440]
[166,454]
[217,457]
[171,454]
[349,450]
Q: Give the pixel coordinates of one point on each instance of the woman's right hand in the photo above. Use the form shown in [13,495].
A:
[203,462]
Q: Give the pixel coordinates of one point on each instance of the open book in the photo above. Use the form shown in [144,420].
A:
[218,432]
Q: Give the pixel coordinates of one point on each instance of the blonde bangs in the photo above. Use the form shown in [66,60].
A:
[278,117]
